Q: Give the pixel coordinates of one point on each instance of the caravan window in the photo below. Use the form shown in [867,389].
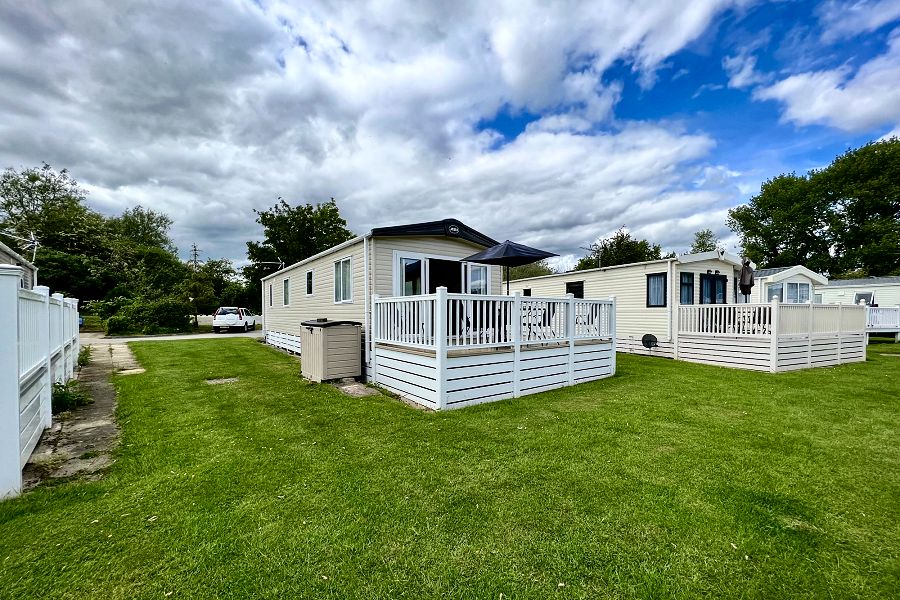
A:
[713,289]
[656,290]
[576,288]
[867,297]
[687,288]
[343,281]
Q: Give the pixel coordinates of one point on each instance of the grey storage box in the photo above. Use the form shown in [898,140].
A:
[330,349]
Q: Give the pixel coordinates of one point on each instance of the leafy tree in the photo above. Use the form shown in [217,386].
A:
[49,205]
[290,234]
[619,249]
[786,224]
[533,270]
[862,188]
[143,227]
[844,218]
[704,241]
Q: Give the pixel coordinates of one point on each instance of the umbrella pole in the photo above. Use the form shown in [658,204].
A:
[507,280]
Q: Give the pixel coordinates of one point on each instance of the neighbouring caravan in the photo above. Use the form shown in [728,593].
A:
[792,285]
[647,293]
[404,260]
[874,291]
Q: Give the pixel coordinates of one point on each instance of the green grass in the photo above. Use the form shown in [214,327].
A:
[669,480]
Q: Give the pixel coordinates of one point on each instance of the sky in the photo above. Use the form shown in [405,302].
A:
[550,124]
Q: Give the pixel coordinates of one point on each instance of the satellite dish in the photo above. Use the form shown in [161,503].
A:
[649,341]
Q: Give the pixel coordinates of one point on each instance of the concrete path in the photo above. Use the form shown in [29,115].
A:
[81,441]
[97,339]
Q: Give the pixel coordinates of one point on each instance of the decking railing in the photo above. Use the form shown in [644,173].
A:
[764,320]
[883,318]
[476,321]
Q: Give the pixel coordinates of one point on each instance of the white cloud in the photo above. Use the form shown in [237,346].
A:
[839,98]
[206,112]
[842,19]
[741,71]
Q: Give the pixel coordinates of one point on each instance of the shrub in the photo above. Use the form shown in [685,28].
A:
[67,396]
[84,356]
[165,315]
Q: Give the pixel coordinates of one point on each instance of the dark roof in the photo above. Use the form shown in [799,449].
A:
[768,272]
[864,281]
[447,227]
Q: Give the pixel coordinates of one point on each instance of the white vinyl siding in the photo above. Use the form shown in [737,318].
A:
[884,295]
[343,280]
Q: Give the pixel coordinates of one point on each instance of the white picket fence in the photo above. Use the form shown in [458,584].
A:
[38,346]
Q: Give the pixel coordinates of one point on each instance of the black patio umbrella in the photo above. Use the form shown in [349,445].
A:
[509,254]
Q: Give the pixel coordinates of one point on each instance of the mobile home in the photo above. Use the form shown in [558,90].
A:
[8,256]
[690,308]
[436,329]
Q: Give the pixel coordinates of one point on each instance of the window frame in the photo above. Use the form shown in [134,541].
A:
[714,280]
[309,283]
[871,296]
[470,268]
[286,291]
[270,295]
[681,288]
[526,292]
[344,300]
[665,290]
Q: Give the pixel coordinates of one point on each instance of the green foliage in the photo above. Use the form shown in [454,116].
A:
[84,356]
[844,218]
[533,270]
[141,226]
[67,396]
[290,234]
[704,241]
[619,249]
[165,315]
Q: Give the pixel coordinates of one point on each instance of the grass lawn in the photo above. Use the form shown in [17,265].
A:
[669,480]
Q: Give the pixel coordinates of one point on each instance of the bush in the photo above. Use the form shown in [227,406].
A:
[67,396]
[167,315]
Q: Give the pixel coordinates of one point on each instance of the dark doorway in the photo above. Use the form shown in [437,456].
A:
[447,273]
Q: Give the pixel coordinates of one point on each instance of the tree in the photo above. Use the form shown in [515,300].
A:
[786,224]
[619,249]
[143,227]
[533,270]
[841,219]
[292,233]
[49,206]
[704,241]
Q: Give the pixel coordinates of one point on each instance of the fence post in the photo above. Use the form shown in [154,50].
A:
[612,331]
[47,393]
[809,335]
[773,348]
[60,373]
[517,341]
[570,334]
[371,336]
[840,328]
[10,468]
[440,345]
[676,329]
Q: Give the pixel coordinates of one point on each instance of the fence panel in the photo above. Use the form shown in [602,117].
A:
[42,327]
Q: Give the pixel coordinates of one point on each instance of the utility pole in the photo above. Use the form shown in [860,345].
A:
[195,257]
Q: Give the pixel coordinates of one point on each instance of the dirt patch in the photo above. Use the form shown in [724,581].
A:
[354,388]
[81,441]
[222,380]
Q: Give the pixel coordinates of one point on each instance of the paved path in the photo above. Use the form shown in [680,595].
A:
[97,339]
